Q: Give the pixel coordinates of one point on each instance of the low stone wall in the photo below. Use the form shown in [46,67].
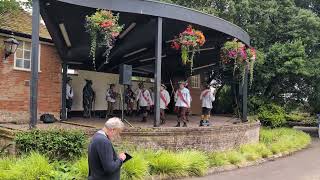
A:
[6,140]
[215,138]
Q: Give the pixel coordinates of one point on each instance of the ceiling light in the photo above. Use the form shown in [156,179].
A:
[65,34]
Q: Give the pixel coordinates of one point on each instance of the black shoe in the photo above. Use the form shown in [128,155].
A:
[178,125]
[201,123]
[184,125]
[207,123]
[144,119]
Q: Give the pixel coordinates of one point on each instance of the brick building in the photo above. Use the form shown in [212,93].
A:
[15,73]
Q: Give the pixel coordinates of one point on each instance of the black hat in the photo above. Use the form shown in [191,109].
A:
[88,81]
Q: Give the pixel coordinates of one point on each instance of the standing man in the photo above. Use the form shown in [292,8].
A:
[145,101]
[164,101]
[111,99]
[69,97]
[207,99]
[104,163]
[88,99]
[129,100]
[183,101]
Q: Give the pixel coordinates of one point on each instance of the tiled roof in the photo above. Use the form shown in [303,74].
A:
[21,21]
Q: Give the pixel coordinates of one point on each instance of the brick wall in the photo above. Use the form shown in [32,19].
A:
[15,89]
[216,138]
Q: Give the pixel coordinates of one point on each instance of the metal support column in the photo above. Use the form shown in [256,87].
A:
[245,96]
[157,74]
[34,64]
[64,91]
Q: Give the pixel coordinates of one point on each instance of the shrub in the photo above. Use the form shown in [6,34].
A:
[218,159]
[272,115]
[135,169]
[56,144]
[197,162]
[166,162]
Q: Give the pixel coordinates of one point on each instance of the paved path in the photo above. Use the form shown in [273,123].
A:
[303,165]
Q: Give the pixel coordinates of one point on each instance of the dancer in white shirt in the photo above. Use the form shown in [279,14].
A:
[145,101]
[164,101]
[183,102]
[207,99]
[69,96]
[111,99]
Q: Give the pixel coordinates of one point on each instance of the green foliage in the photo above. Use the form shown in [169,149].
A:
[272,115]
[218,159]
[81,169]
[235,157]
[224,101]
[166,162]
[284,139]
[135,169]
[197,162]
[56,144]
[33,166]
[8,6]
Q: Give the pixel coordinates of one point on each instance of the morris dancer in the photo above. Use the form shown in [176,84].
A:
[111,99]
[145,101]
[183,101]
[129,100]
[164,101]
[69,97]
[207,98]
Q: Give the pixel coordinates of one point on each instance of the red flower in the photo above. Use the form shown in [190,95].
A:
[175,45]
[106,24]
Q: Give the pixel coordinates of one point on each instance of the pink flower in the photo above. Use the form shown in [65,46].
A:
[175,45]
[243,53]
[114,34]
[232,54]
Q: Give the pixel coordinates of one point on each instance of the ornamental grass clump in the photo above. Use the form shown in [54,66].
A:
[81,168]
[33,166]
[135,169]
[168,163]
[250,152]
[217,159]
[197,162]
[235,157]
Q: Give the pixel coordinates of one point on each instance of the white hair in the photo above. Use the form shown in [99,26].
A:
[114,123]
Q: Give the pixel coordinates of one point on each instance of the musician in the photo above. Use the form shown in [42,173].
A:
[129,100]
[164,101]
[183,101]
[207,99]
[111,99]
[145,101]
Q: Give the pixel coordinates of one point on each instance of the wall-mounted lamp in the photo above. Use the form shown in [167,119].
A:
[10,47]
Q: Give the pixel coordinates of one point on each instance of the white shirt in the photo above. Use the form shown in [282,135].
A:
[144,98]
[207,98]
[165,94]
[186,96]
[69,93]
[109,98]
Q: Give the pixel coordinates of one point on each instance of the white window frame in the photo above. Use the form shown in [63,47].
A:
[15,57]
[195,81]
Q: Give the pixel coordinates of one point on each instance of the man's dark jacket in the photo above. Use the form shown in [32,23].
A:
[104,163]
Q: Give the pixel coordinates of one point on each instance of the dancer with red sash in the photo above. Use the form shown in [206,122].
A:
[183,101]
[207,99]
[164,101]
[145,101]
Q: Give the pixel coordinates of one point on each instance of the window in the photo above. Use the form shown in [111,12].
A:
[195,81]
[22,57]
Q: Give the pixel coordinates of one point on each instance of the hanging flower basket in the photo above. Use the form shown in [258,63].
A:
[240,56]
[103,28]
[189,42]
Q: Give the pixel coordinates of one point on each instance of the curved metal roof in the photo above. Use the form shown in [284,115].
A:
[166,10]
